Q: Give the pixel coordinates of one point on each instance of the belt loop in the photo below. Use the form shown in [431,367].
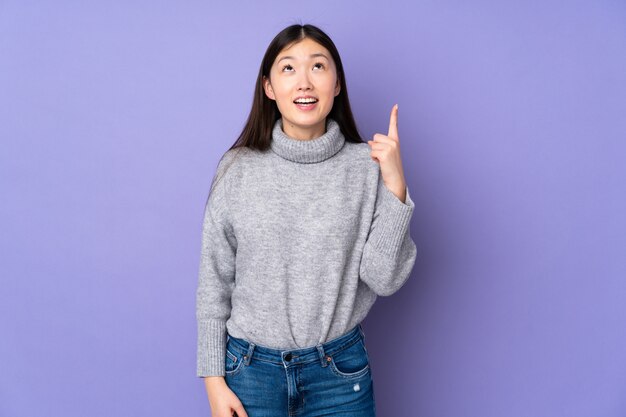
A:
[320,349]
[250,351]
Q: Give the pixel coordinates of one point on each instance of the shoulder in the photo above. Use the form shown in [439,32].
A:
[356,148]
[231,157]
[234,161]
[233,165]
[227,165]
[360,153]
[357,151]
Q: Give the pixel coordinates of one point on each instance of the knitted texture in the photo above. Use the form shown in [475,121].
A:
[297,243]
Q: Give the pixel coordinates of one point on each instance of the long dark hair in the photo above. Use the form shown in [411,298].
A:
[257,132]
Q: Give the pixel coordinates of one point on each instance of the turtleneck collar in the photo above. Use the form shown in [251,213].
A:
[307,151]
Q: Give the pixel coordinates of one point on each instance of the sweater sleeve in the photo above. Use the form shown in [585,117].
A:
[389,252]
[216,281]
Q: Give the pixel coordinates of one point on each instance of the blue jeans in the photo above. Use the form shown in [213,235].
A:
[332,378]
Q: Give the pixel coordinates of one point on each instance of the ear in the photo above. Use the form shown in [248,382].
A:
[337,87]
[267,86]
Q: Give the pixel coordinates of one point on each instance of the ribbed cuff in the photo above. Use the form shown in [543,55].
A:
[395,217]
[211,348]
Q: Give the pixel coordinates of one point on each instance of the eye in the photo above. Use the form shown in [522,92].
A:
[286,66]
[320,64]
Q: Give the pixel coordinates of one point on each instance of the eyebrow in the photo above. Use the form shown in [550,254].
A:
[312,56]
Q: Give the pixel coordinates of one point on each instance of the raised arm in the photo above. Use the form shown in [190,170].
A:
[389,252]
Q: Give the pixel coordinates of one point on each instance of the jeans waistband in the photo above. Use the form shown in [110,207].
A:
[319,352]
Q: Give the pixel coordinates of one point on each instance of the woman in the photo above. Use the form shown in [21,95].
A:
[304,227]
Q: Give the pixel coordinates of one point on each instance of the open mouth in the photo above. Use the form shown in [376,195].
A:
[305,103]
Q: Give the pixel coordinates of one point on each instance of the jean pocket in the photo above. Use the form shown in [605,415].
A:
[351,362]
[233,362]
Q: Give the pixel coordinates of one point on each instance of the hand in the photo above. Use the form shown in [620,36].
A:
[222,399]
[385,150]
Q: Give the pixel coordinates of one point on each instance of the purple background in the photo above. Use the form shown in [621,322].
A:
[512,124]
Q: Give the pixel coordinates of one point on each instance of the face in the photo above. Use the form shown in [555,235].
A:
[305,69]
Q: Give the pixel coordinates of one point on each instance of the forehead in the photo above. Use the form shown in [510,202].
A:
[304,49]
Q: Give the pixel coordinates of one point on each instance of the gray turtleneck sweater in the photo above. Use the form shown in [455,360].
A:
[297,243]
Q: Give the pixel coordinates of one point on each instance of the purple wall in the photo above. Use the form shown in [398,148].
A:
[511,120]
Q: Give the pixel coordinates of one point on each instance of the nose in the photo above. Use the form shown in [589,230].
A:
[304,83]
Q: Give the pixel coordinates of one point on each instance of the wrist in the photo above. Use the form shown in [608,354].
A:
[214,380]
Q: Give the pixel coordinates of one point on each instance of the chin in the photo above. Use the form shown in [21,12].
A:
[307,121]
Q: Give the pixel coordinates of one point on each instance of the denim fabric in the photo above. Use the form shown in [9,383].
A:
[333,378]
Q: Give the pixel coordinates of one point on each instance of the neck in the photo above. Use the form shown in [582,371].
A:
[300,133]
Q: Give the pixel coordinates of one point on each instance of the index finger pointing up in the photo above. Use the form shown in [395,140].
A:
[393,123]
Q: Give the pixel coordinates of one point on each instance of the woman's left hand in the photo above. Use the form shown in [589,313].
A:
[385,150]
